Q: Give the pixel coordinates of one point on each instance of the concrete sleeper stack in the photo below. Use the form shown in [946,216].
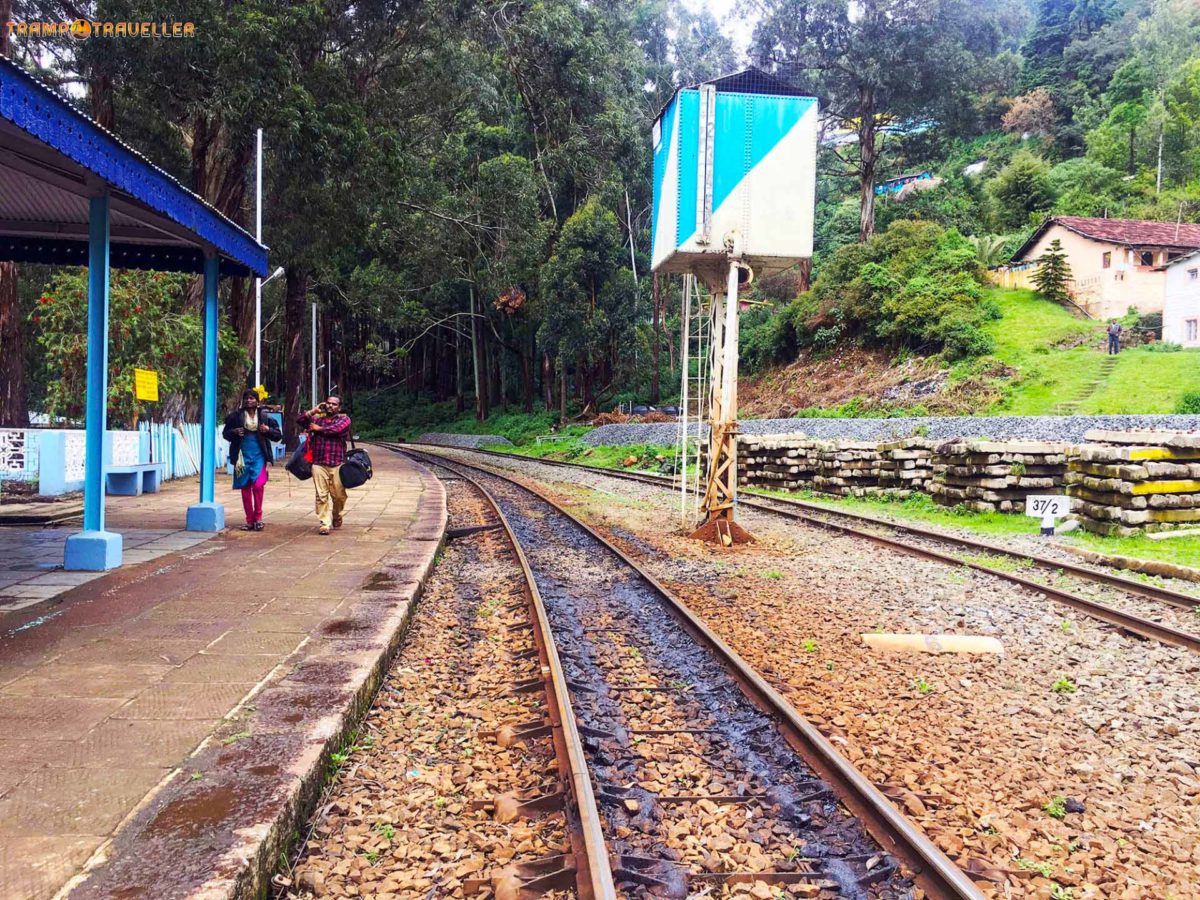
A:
[996,476]
[1127,482]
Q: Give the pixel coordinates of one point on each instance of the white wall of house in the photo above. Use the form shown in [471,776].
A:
[1181,312]
[1108,278]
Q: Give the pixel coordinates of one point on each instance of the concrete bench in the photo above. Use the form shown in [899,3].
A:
[133,481]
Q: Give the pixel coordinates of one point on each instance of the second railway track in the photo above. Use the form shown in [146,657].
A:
[704,776]
[939,546]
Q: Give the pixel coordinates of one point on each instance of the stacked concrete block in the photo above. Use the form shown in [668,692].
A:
[997,476]
[783,462]
[1125,483]
[847,468]
[905,466]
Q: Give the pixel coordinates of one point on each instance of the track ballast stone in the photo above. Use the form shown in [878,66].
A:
[1070,429]
[469,441]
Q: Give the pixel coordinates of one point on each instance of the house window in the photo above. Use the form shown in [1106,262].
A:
[1107,260]
[1192,328]
[1193,274]
[1145,257]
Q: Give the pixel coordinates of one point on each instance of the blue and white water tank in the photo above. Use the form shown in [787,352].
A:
[735,158]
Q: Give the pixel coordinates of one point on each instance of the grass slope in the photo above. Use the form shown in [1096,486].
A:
[1034,338]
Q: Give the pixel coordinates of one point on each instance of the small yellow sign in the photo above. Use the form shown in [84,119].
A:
[145,384]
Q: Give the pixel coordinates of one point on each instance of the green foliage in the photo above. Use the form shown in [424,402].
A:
[1056,808]
[1189,404]
[589,294]
[915,285]
[1021,191]
[148,329]
[1064,685]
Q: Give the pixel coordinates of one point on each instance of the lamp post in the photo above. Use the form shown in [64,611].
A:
[258,283]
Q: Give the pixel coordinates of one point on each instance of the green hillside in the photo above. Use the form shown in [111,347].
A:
[1036,338]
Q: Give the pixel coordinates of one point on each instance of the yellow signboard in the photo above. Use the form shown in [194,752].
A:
[145,384]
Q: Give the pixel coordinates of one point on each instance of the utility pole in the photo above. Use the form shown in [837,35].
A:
[258,281]
[313,363]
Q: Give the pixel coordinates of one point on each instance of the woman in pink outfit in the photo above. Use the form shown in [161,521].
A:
[250,432]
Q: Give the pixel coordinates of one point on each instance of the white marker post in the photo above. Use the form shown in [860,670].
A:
[1047,507]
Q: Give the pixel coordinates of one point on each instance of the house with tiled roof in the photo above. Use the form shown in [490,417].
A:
[1115,263]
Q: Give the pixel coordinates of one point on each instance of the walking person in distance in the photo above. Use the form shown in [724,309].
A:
[328,428]
[1114,338]
[250,432]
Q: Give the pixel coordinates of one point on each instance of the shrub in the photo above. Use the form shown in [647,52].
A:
[1164,347]
[1189,404]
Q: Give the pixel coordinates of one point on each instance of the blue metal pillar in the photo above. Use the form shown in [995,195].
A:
[208,515]
[95,549]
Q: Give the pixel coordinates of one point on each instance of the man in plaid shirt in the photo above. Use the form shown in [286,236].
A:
[327,427]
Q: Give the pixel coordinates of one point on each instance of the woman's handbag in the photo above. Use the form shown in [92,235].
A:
[300,464]
[356,470]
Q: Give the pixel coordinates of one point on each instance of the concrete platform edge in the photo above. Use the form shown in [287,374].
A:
[242,868]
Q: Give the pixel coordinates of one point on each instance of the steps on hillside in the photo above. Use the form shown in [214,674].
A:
[1069,406]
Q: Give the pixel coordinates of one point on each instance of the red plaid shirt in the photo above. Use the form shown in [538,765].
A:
[329,444]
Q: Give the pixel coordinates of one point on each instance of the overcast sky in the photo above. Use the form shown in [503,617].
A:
[733,25]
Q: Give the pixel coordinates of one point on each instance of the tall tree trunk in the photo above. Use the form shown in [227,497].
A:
[479,361]
[805,271]
[14,406]
[547,380]
[657,330]
[868,160]
[460,402]
[562,389]
[294,329]
[527,379]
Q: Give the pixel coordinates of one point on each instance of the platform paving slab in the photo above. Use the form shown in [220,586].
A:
[164,727]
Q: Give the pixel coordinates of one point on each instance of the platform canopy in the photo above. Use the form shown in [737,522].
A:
[53,159]
[71,193]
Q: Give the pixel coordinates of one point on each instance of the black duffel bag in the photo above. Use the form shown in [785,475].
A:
[300,467]
[356,470]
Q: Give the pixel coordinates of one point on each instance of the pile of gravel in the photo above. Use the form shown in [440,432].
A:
[468,441]
[1030,428]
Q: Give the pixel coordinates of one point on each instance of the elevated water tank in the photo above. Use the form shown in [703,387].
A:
[734,157]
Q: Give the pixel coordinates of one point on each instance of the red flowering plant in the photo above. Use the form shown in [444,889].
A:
[148,328]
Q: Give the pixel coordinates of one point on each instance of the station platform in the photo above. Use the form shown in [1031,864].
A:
[163,725]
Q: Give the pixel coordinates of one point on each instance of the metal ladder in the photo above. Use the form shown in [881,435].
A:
[695,367]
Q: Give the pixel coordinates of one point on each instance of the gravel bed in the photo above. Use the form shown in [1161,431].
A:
[470,441]
[617,638]
[1027,428]
[977,750]
[398,822]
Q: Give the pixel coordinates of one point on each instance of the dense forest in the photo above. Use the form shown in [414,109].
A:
[463,188]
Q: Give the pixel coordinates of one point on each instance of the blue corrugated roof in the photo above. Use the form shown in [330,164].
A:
[50,119]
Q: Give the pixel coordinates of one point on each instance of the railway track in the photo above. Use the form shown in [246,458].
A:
[686,771]
[931,544]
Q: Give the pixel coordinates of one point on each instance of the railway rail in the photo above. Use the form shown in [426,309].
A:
[666,729]
[890,534]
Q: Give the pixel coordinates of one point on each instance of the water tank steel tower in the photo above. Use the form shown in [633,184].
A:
[734,194]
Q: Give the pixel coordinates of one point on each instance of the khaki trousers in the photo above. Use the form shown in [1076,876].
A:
[331,496]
